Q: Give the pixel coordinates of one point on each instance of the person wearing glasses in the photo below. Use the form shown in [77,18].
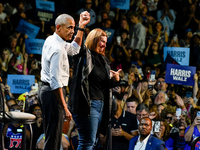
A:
[142,111]
[161,85]
[38,126]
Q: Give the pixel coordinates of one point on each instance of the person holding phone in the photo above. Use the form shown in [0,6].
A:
[162,132]
[124,126]
[192,131]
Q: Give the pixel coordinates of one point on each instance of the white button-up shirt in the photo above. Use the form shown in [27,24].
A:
[141,145]
[55,64]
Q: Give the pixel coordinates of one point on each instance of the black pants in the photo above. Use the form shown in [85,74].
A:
[52,114]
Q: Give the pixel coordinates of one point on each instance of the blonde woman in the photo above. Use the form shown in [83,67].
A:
[89,98]
[4,59]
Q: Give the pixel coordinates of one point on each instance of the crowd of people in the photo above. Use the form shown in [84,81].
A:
[139,103]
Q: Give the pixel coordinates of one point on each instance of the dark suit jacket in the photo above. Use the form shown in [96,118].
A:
[152,143]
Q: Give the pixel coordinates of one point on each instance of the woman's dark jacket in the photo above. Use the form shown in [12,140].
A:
[79,99]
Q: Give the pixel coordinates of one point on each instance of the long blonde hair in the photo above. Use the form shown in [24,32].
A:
[7,60]
[93,38]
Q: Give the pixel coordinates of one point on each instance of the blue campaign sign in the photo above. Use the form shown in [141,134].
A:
[180,54]
[20,83]
[46,16]
[110,34]
[27,28]
[34,46]
[121,4]
[45,5]
[182,75]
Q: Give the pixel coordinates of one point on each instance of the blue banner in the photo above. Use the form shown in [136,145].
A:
[34,46]
[183,75]
[180,54]
[20,83]
[110,34]
[121,4]
[45,5]
[46,16]
[27,28]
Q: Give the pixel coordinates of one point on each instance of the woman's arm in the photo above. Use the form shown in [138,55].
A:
[110,54]
[138,92]
[188,134]
[195,88]
[25,64]
[166,35]
[147,49]
[158,37]
[128,56]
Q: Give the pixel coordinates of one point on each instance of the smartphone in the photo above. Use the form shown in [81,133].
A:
[19,57]
[157,126]
[188,94]
[175,38]
[153,75]
[178,113]
[118,38]
[198,113]
[115,126]
[150,87]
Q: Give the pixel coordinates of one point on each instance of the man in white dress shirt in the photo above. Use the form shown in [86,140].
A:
[145,141]
[55,75]
[145,128]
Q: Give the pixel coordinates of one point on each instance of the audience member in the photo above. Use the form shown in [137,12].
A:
[15,18]
[38,126]
[13,136]
[4,59]
[124,126]
[131,104]
[160,36]
[187,39]
[153,56]
[142,111]
[160,97]
[192,131]
[87,7]
[137,33]
[167,17]
[164,134]
[191,20]
[161,85]
[145,140]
